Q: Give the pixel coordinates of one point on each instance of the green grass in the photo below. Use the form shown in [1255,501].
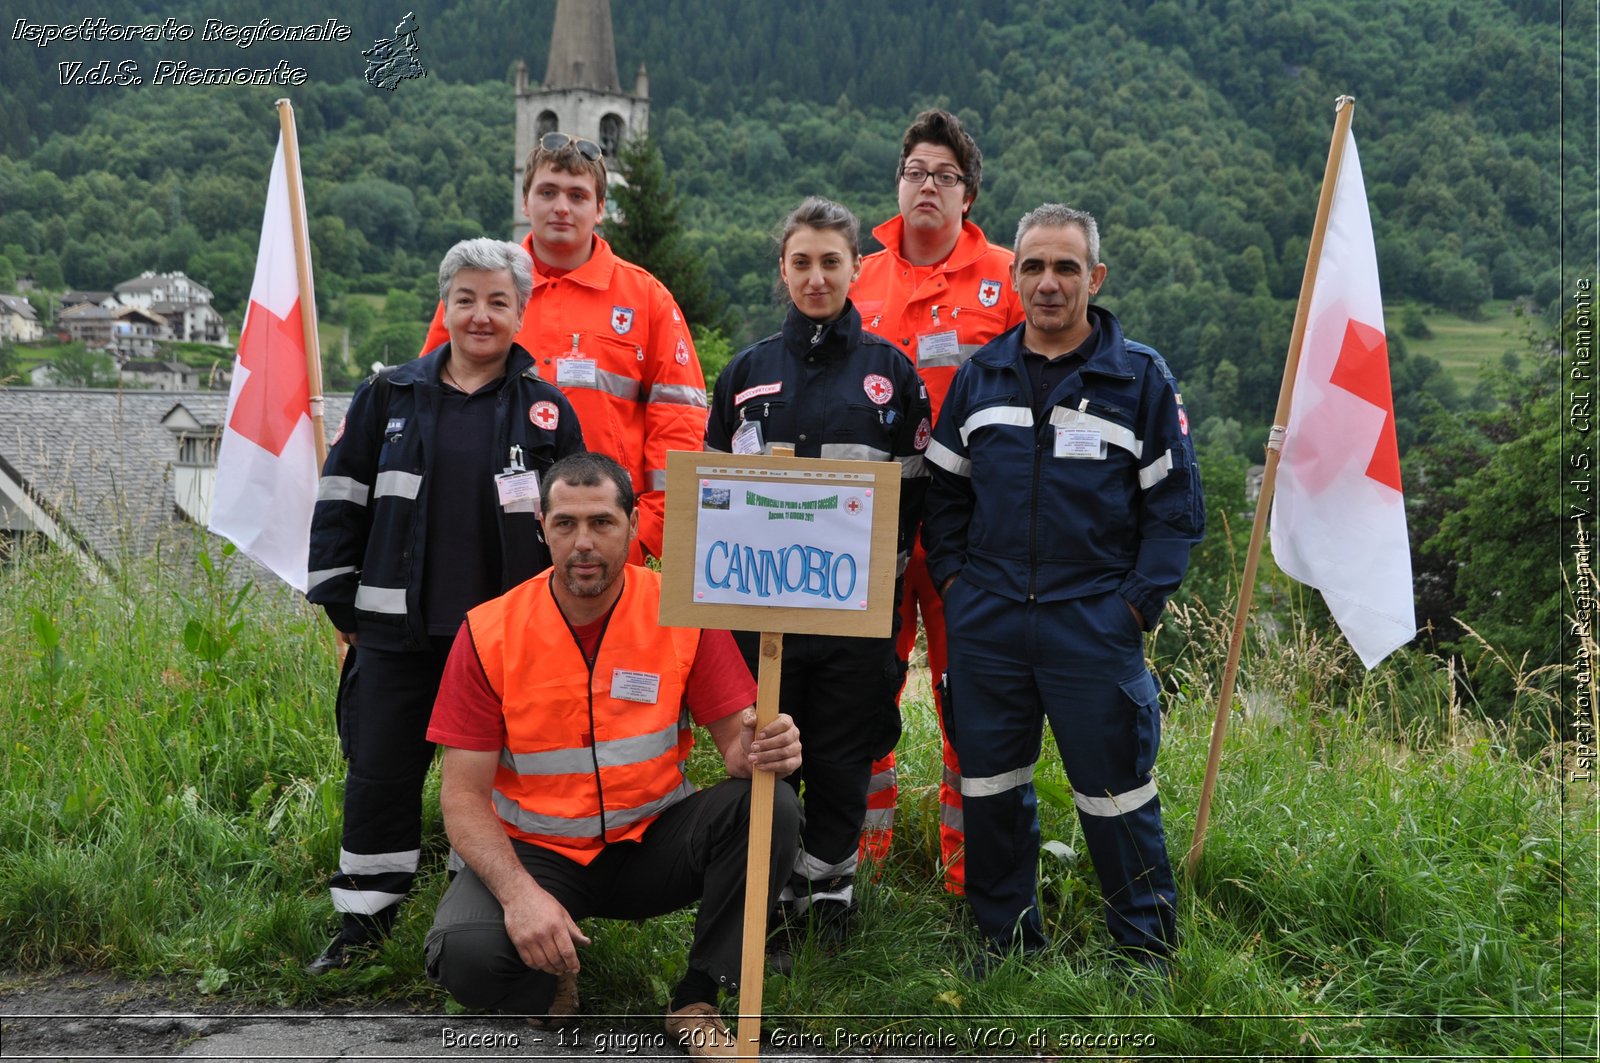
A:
[1384,876]
[1466,347]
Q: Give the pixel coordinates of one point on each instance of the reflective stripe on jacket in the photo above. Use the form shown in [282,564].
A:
[969,294]
[643,395]
[593,753]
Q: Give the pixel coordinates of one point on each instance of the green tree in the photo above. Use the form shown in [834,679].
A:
[74,366]
[645,230]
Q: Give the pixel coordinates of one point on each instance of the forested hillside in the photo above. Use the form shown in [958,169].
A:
[1197,131]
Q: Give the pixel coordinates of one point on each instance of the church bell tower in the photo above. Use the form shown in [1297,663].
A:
[581,93]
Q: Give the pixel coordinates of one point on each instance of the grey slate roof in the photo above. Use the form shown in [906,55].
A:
[100,462]
[18,304]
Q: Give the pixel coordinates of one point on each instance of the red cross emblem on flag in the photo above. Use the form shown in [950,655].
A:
[545,415]
[878,389]
[276,395]
[621,319]
[988,292]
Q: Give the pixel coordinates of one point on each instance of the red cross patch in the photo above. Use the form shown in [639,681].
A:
[545,415]
[1183,421]
[988,292]
[924,433]
[621,319]
[878,389]
[681,355]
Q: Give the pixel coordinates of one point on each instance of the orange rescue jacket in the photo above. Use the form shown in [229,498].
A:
[962,305]
[592,753]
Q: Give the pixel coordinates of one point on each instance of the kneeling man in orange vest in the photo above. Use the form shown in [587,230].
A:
[565,715]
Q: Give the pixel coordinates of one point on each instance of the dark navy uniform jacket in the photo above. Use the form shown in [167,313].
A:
[369,527]
[1099,494]
[831,391]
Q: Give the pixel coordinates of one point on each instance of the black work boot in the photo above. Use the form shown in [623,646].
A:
[357,933]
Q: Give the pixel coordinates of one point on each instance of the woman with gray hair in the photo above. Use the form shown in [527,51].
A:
[427,507]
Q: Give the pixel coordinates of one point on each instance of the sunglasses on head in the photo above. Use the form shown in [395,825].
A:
[556,141]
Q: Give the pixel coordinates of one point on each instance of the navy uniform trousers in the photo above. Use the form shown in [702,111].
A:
[385,702]
[1079,663]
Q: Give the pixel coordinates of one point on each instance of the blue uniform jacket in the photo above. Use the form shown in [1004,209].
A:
[1100,494]
[831,391]
[368,529]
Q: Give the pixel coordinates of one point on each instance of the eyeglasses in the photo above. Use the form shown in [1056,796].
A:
[556,141]
[915,175]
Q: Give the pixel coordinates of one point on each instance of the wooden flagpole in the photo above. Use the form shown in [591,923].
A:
[308,299]
[1344,110]
[302,271]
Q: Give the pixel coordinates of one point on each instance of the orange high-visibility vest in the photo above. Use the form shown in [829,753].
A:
[592,754]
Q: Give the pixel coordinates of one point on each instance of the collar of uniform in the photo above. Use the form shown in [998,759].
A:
[425,370]
[1109,357]
[595,273]
[840,335]
[971,244]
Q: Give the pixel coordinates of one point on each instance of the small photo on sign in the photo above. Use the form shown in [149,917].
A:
[715,497]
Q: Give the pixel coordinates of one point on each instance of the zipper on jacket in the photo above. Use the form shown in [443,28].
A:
[1033,519]
[816,333]
[594,746]
[594,741]
[1041,419]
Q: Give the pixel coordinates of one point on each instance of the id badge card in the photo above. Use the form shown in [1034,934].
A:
[518,491]
[747,440]
[937,346]
[576,372]
[643,687]
[1079,443]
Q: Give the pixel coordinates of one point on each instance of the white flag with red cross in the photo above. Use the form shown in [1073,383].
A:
[267,466]
[1338,515]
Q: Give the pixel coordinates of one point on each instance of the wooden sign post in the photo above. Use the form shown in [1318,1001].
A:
[776,544]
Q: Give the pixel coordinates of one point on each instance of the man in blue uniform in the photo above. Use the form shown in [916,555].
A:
[1064,502]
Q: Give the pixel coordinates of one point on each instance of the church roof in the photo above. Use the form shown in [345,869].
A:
[583,54]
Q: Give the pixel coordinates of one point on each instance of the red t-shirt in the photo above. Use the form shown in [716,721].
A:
[467,713]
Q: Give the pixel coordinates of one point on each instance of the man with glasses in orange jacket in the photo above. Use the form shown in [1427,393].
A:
[938,291]
[604,331]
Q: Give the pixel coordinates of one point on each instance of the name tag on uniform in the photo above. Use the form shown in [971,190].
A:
[642,687]
[1079,443]
[518,491]
[937,345]
[747,440]
[578,371]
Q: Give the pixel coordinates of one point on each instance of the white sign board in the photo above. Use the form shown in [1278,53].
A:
[783,542]
[773,543]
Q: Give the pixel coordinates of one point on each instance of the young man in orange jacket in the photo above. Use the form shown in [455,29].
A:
[938,291]
[603,330]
